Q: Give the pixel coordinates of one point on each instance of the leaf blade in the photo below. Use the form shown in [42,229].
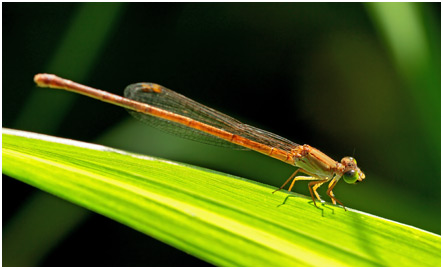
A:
[219,218]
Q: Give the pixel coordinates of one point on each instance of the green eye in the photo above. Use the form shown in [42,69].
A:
[350,176]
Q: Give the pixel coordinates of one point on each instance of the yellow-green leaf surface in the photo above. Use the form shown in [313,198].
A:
[219,218]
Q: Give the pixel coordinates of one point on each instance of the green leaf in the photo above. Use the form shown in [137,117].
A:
[225,220]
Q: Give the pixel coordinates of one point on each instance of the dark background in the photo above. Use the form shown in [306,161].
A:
[354,79]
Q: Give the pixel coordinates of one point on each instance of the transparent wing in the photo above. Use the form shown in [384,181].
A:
[169,100]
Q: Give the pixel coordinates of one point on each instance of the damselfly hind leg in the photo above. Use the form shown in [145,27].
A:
[293,176]
[313,186]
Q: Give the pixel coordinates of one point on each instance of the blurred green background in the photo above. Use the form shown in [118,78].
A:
[354,79]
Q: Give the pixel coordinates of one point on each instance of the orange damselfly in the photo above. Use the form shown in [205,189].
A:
[172,112]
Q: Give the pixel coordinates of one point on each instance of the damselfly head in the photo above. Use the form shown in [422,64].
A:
[351,173]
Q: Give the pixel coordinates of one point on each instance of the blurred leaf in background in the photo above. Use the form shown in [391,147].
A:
[348,78]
